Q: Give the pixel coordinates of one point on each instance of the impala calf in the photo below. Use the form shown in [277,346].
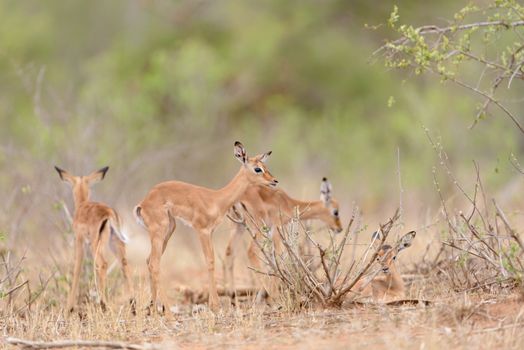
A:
[273,207]
[389,285]
[201,208]
[97,224]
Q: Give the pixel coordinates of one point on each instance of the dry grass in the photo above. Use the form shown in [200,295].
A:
[457,321]
[481,318]
[463,314]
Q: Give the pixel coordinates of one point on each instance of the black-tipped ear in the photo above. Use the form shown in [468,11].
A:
[325,191]
[406,241]
[104,171]
[263,157]
[65,176]
[97,175]
[60,171]
[376,235]
[240,152]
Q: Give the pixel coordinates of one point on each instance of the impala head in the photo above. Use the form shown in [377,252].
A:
[255,167]
[331,204]
[81,184]
[387,254]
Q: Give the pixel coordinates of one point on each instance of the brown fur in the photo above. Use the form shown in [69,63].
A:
[274,207]
[389,285]
[97,224]
[201,208]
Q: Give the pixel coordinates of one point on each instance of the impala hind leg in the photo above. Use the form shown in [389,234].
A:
[120,252]
[159,233]
[229,260]
[79,255]
[101,265]
[209,254]
[153,263]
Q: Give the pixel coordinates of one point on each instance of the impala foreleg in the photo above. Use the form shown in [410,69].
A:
[255,255]
[209,254]
[79,255]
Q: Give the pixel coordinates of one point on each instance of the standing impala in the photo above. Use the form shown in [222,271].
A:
[273,207]
[201,208]
[99,225]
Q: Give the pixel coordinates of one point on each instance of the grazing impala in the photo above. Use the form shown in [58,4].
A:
[274,207]
[390,285]
[201,208]
[99,225]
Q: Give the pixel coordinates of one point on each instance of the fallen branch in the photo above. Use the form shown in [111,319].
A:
[60,344]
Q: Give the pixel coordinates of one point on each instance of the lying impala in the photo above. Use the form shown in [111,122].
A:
[99,225]
[274,207]
[389,285]
[199,207]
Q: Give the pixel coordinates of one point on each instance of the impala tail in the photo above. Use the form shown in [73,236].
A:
[116,227]
[138,216]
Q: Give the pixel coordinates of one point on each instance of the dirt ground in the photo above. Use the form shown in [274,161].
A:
[454,320]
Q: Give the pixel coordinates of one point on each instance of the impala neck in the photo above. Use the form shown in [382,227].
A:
[80,195]
[231,193]
[309,210]
[394,280]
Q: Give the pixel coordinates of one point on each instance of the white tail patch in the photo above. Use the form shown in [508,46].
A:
[138,217]
[117,230]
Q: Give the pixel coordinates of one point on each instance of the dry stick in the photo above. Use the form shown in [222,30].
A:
[28,344]
[322,253]
[482,93]
[385,229]
[473,230]
[306,271]
[485,105]
[342,244]
[401,190]
[242,221]
[444,160]
[449,244]
[512,233]
[486,213]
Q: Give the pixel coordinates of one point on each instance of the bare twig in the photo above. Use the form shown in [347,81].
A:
[28,344]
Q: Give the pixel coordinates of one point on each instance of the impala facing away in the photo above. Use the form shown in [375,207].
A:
[274,207]
[390,285]
[201,208]
[99,225]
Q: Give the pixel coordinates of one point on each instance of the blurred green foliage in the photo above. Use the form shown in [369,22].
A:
[112,82]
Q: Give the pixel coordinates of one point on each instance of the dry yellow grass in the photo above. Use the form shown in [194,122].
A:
[479,318]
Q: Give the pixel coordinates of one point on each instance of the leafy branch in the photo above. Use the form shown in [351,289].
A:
[489,37]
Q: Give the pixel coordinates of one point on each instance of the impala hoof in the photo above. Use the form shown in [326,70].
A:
[159,308]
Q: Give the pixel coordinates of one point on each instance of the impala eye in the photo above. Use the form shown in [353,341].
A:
[335,212]
[258,170]
[395,257]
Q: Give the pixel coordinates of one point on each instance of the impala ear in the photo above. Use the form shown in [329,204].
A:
[264,156]
[97,175]
[325,191]
[65,176]
[240,152]
[376,237]
[406,240]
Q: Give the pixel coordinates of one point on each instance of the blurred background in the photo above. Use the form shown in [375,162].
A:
[160,90]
